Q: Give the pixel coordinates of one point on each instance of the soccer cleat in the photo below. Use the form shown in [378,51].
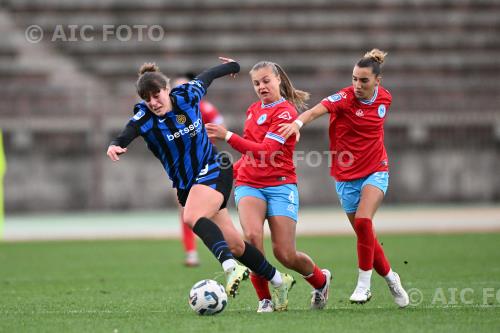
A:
[281,292]
[192,259]
[320,296]
[361,295]
[400,296]
[234,278]
[265,305]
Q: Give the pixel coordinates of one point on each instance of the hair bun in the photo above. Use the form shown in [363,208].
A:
[376,55]
[148,67]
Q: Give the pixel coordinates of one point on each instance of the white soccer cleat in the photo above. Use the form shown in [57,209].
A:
[400,296]
[361,295]
[320,296]
[266,305]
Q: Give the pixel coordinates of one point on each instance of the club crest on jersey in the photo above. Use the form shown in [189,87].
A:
[285,115]
[180,118]
[262,119]
[381,110]
[335,98]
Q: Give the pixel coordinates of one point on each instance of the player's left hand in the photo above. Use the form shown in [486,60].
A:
[289,129]
[216,131]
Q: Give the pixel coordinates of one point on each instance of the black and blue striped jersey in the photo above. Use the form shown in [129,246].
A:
[178,139]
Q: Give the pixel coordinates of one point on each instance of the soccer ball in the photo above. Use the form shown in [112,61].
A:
[207,297]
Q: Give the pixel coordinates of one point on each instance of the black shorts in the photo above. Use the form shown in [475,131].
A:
[220,178]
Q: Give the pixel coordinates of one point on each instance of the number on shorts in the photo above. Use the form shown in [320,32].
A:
[291,197]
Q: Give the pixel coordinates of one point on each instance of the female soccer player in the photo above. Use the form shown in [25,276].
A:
[209,114]
[359,164]
[266,182]
[169,120]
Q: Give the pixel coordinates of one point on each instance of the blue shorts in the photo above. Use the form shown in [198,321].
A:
[350,192]
[282,200]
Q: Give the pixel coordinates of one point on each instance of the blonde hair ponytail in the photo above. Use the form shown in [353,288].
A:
[297,97]
[376,55]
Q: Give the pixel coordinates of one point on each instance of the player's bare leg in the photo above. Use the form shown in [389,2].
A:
[283,232]
[252,214]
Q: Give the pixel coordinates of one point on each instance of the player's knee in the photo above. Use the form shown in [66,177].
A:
[236,246]
[254,237]
[285,256]
[190,218]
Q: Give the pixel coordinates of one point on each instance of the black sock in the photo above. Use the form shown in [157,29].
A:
[255,260]
[212,237]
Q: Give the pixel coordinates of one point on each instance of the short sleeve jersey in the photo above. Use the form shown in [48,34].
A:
[357,133]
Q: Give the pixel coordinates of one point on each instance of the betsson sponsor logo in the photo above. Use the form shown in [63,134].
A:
[192,130]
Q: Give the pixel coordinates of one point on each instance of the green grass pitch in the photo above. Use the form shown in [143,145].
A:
[141,286]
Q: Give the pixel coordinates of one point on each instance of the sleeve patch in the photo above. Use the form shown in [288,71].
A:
[275,137]
[334,98]
[139,115]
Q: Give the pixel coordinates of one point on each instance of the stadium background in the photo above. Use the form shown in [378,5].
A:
[64,97]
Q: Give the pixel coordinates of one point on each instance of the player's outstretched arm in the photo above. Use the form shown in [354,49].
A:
[228,67]
[263,149]
[287,130]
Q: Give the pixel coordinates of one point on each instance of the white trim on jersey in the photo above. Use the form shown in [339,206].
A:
[275,137]
[270,105]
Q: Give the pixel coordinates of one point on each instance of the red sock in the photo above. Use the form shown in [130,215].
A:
[366,243]
[188,238]
[380,262]
[317,279]
[261,286]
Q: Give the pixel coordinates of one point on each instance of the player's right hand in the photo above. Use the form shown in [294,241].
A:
[287,130]
[114,151]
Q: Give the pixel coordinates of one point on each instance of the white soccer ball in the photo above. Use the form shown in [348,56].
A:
[207,297]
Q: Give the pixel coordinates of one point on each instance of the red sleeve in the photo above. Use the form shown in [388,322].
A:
[272,141]
[244,146]
[334,102]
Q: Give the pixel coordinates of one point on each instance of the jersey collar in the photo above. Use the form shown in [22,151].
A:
[371,100]
[270,105]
